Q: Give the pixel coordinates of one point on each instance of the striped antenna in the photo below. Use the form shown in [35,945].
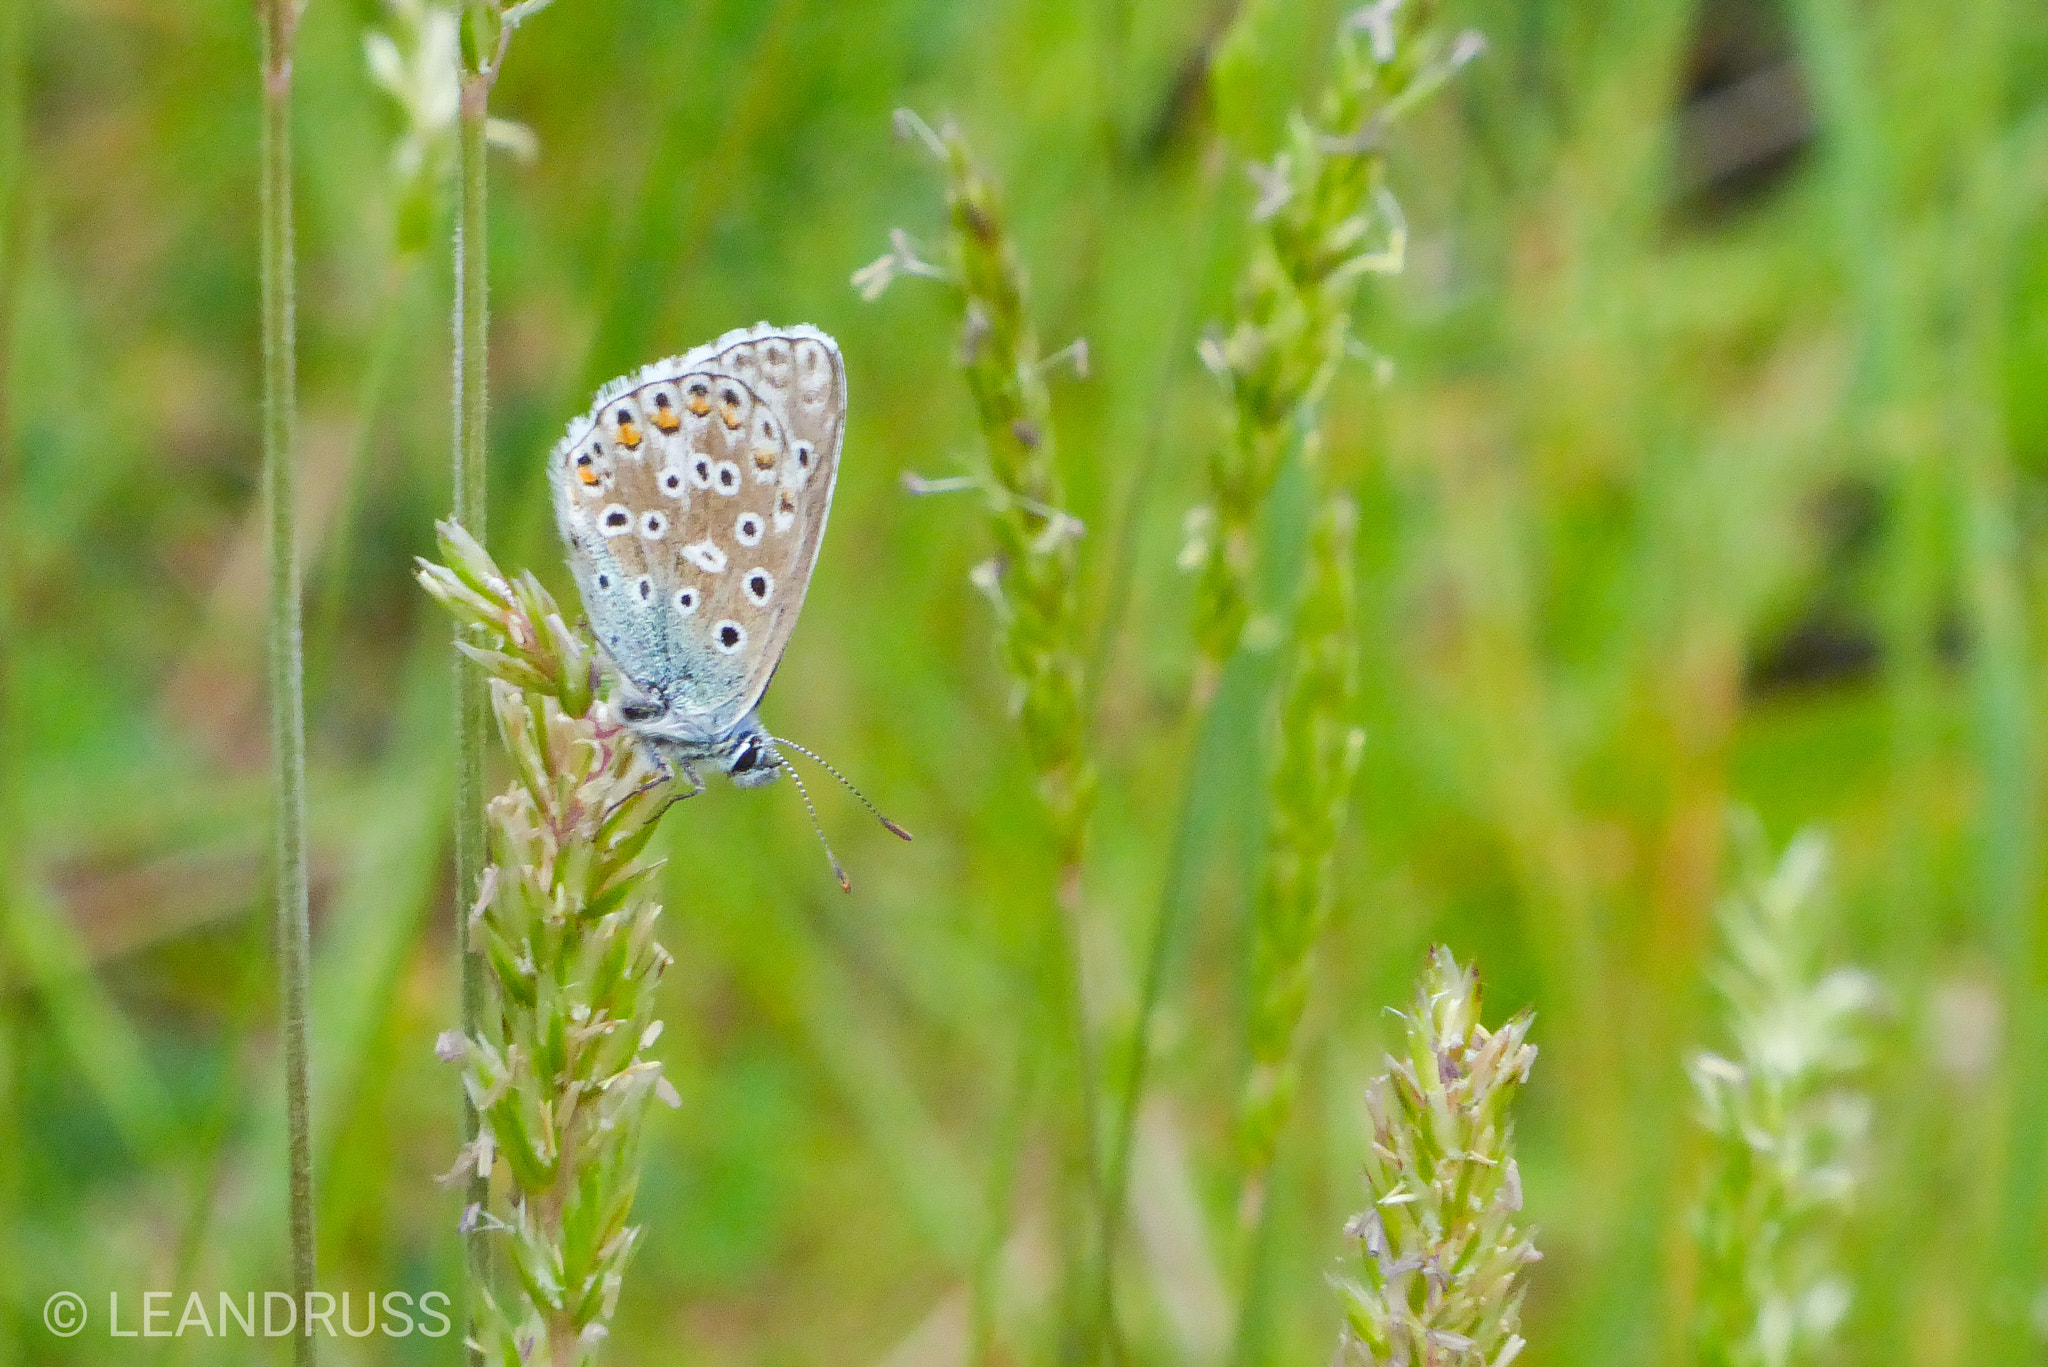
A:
[845,883]
[824,764]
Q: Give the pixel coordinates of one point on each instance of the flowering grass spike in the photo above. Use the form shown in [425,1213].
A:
[1316,754]
[1438,1275]
[1325,221]
[1031,580]
[558,1066]
[1787,1122]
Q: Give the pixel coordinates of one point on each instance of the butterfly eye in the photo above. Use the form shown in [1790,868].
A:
[748,758]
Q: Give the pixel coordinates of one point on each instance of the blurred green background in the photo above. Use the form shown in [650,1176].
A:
[1713,469]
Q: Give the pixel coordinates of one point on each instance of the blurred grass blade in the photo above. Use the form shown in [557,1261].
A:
[106,1049]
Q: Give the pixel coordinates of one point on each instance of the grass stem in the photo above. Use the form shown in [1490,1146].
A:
[13,106]
[472,400]
[485,35]
[279,21]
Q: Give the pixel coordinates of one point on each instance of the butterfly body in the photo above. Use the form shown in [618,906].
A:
[693,498]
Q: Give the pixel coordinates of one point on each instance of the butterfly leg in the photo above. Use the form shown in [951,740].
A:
[671,771]
[687,772]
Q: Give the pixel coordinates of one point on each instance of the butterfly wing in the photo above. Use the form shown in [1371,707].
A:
[693,499]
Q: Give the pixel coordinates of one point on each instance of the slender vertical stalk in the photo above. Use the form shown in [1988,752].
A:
[13,103]
[472,358]
[486,32]
[279,20]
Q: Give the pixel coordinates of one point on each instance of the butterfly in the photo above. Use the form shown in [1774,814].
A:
[692,498]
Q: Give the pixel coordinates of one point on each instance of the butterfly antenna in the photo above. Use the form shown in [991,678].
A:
[845,883]
[826,765]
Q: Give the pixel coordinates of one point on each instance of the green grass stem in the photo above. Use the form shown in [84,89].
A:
[472,698]
[13,108]
[279,21]
[486,34]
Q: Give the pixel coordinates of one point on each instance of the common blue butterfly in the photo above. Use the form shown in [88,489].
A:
[693,498]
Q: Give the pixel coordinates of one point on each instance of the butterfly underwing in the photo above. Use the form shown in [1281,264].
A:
[692,498]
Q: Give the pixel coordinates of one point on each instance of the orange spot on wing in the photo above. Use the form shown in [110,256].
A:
[730,412]
[666,420]
[698,404]
[629,435]
[764,458]
[587,473]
